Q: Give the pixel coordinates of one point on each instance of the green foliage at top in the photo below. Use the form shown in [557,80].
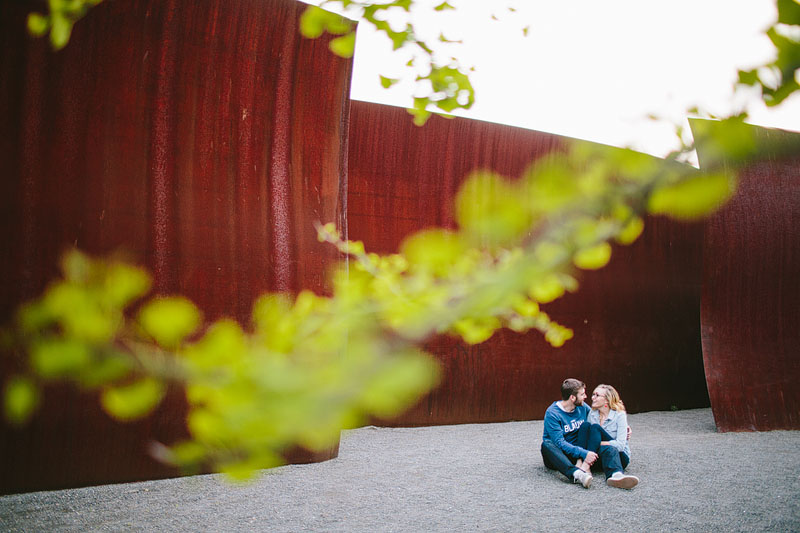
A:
[443,85]
[315,22]
[168,321]
[779,79]
[58,22]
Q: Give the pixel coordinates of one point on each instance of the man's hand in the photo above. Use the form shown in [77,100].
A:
[591,457]
[629,433]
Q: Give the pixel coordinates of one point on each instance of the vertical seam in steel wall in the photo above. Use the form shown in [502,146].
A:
[280,184]
[162,165]
[344,154]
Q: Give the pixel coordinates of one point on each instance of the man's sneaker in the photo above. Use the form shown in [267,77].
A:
[584,478]
[622,481]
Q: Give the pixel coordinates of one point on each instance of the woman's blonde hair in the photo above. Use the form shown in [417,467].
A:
[612,396]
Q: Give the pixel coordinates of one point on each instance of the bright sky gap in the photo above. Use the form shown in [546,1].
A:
[592,69]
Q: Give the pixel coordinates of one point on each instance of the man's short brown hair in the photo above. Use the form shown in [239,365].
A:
[570,387]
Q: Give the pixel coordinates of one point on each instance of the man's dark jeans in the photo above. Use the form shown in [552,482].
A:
[555,459]
[589,437]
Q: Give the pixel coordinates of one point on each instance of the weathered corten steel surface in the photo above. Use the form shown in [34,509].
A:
[750,319]
[204,139]
[636,322]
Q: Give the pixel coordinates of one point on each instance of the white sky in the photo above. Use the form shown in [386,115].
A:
[592,69]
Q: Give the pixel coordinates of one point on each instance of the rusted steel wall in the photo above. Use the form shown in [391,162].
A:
[751,286]
[204,138]
[636,322]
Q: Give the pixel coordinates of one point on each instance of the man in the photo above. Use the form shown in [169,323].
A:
[562,433]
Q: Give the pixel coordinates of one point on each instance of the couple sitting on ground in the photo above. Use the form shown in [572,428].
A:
[577,438]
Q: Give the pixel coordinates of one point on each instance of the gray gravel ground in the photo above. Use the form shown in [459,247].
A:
[475,477]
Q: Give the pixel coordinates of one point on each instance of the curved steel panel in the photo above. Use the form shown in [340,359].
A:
[751,285]
[636,322]
[204,138]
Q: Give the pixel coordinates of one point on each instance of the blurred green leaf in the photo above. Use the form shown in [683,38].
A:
[21,399]
[450,85]
[169,320]
[557,335]
[60,30]
[788,12]
[726,140]
[490,209]
[433,251]
[692,198]
[546,289]
[398,38]
[550,184]
[398,383]
[476,331]
[387,82]
[205,425]
[315,21]
[312,22]
[324,434]
[593,257]
[273,321]
[786,89]
[133,401]
[588,231]
[79,311]
[270,309]
[38,24]
[62,299]
[105,370]
[548,252]
[188,453]
[448,104]
[526,308]
[419,111]
[749,77]
[631,165]
[338,25]
[125,283]
[223,344]
[91,324]
[34,316]
[245,469]
[631,231]
[405,5]
[59,357]
[344,46]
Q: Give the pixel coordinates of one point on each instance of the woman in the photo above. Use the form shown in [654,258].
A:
[607,425]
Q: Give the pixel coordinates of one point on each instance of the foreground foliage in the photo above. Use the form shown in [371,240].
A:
[307,366]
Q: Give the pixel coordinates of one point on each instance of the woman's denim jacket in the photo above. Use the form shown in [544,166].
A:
[615,425]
